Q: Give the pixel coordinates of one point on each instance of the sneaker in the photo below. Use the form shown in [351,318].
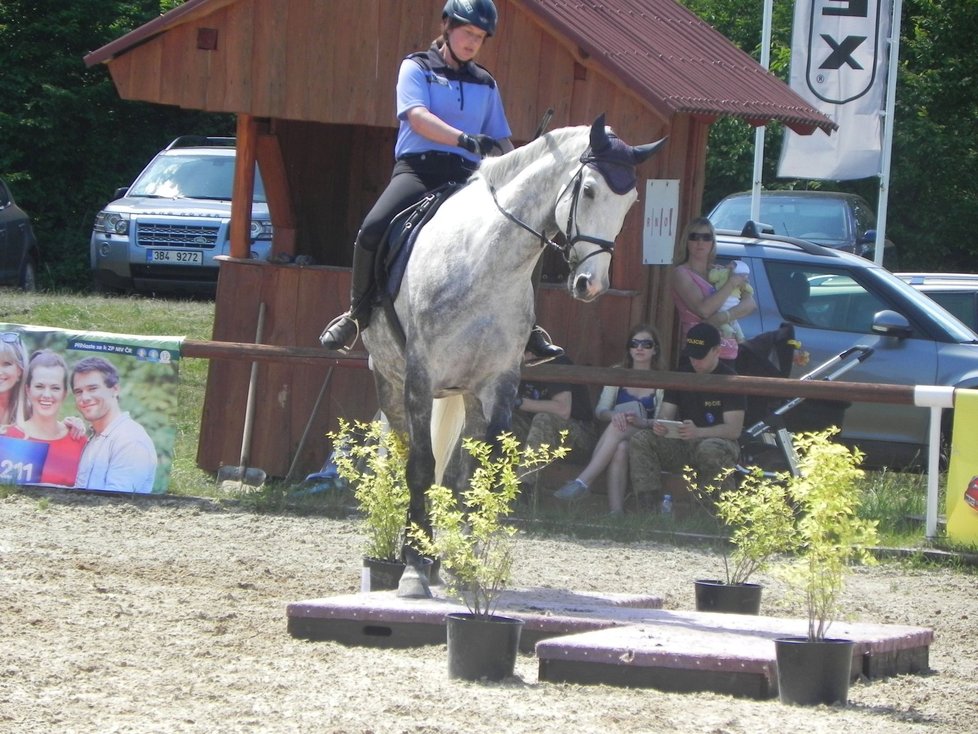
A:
[573,490]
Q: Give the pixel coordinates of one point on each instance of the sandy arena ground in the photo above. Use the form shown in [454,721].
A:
[166,615]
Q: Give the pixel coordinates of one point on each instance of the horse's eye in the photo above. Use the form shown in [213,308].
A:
[588,191]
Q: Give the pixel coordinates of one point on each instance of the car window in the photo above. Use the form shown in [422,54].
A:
[4,197]
[961,305]
[194,177]
[820,220]
[824,298]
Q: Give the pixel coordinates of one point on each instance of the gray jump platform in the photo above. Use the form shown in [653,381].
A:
[381,619]
[615,639]
[724,653]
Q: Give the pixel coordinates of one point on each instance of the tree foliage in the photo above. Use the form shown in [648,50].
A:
[932,199]
[68,139]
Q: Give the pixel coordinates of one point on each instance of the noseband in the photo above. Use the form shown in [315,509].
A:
[572,239]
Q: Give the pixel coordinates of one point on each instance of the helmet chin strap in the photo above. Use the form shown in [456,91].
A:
[448,45]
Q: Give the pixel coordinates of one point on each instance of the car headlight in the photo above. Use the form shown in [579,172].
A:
[260,230]
[112,223]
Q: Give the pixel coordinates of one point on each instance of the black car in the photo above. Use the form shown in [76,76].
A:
[832,219]
[18,246]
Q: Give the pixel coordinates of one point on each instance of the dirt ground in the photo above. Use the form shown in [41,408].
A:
[166,615]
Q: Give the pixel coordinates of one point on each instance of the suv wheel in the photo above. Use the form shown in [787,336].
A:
[28,276]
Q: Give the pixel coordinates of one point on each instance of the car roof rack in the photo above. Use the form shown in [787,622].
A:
[199,141]
[759,231]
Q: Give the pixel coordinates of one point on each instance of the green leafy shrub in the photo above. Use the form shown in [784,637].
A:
[373,459]
[829,533]
[470,536]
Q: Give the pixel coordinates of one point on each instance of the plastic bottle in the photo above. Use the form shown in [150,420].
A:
[667,504]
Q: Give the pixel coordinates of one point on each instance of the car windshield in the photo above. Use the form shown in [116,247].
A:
[819,220]
[191,177]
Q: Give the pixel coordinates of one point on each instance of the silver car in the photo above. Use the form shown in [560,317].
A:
[163,232]
[836,300]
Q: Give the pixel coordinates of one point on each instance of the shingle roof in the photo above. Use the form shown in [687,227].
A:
[677,62]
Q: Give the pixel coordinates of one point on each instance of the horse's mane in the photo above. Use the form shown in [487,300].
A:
[499,170]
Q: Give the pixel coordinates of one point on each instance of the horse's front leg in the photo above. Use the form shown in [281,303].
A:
[420,476]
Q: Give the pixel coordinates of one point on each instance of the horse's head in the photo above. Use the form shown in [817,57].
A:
[591,208]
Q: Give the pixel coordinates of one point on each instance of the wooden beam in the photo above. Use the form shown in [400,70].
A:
[243,191]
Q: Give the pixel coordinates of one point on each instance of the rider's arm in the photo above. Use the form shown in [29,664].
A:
[427,124]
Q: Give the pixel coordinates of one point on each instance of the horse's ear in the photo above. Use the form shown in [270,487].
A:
[643,152]
[599,134]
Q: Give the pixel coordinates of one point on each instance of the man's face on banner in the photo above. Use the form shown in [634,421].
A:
[94,399]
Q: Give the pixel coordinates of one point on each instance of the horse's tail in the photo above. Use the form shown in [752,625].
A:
[447,421]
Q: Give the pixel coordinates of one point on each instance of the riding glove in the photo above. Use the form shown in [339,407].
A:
[479,144]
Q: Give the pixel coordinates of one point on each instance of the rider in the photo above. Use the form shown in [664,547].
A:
[450,115]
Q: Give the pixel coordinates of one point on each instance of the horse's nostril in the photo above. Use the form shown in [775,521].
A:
[581,283]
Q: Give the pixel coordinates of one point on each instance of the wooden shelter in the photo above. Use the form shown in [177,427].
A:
[312,85]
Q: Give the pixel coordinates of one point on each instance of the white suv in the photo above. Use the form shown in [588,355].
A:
[164,232]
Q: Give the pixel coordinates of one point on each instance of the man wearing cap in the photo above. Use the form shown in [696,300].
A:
[711,422]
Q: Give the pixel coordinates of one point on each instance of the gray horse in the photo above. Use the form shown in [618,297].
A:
[466,300]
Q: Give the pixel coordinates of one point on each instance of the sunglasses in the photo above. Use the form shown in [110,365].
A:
[643,343]
[10,337]
[703,236]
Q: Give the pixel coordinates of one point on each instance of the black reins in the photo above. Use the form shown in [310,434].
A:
[572,239]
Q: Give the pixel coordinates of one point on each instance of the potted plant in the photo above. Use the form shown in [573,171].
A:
[755,514]
[472,542]
[373,460]
[816,669]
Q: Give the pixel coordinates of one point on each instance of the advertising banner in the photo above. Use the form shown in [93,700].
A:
[962,476]
[839,66]
[88,410]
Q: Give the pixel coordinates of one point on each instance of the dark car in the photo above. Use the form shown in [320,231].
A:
[19,254]
[832,219]
[957,292]
[835,301]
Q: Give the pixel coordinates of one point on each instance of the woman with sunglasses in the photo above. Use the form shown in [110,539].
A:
[45,389]
[696,298]
[13,363]
[625,410]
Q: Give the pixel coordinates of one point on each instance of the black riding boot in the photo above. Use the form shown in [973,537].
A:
[541,347]
[341,332]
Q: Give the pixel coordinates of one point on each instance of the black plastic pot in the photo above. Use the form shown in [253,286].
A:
[813,672]
[482,647]
[383,575]
[716,596]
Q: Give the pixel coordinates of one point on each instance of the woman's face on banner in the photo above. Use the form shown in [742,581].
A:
[46,391]
[10,373]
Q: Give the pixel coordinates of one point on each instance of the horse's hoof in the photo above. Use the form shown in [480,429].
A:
[413,584]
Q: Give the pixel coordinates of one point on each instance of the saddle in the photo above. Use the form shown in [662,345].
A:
[397,245]
[400,237]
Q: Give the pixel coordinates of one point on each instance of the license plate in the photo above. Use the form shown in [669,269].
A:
[175,257]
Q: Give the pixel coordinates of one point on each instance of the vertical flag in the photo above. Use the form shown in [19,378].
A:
[838,65]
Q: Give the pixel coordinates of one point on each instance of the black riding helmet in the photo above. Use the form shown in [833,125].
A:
[480,13]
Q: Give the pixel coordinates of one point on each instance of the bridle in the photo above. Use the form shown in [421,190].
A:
[572,237]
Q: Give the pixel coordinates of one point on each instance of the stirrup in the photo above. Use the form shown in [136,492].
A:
[553,350]
[347,344]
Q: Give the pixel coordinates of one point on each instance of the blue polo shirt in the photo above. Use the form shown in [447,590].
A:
[465,98]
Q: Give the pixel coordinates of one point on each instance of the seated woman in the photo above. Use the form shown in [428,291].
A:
[626,410]
[696,298]
[45,387]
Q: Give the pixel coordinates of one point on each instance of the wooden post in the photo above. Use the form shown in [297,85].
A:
[243,192]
